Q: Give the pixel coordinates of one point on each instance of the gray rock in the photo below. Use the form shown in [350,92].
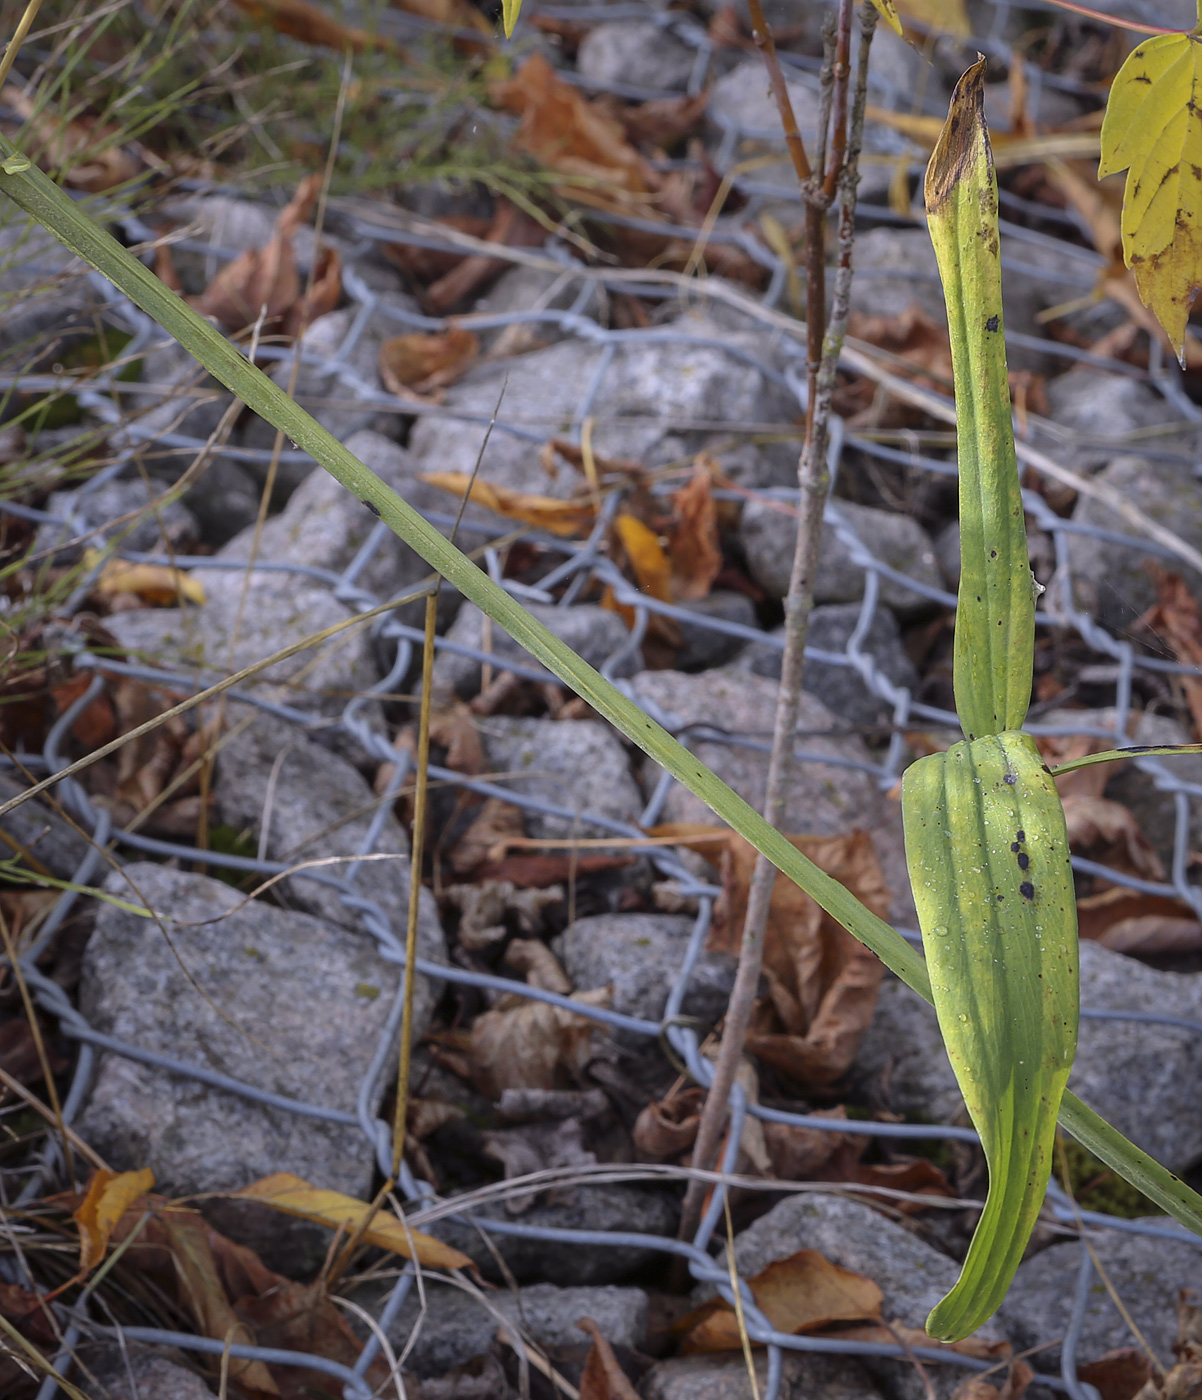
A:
[1101,413]
[527,289]
[37,831]
[335,396]
[910,1274]
[639,54]
[655,400]
[1112,580]
[579,764]
[1172,14]
[804,1376]
[224,499]
[742,99]
[45,294]
[324,526]
[703,646]
[126,514]
[280,609]
[1139,1076]
[286,1003]
[594,633]
[107,1371]
[894,270]
[457,1326]
[1146,1272]
[841,688]
[605,1207]
[639,956]
[317,806]
[822,800]
[947,552]
[769,536]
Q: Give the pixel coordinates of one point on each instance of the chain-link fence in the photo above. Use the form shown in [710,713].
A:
[576,566]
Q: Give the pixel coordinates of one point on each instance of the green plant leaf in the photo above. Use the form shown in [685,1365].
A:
[510,9]
[1151,130]
[32,191]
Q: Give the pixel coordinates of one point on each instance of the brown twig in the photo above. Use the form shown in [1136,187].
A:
[780,90]
[813,483]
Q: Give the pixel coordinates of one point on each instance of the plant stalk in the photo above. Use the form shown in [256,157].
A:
[813,482]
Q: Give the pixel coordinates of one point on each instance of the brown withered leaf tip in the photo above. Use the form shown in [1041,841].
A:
[958,140]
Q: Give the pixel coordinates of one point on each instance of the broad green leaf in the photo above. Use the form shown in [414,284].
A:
[995,620]
[30,189]
[989,864]
[947,15]
[1151,130]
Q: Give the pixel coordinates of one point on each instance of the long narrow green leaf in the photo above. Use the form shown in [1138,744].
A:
[995,618]
[38,196]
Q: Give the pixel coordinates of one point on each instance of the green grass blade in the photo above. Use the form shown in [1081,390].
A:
[33,192]
[995,619]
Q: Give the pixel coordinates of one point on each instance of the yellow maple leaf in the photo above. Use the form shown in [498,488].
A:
[1151,130]
[947,15]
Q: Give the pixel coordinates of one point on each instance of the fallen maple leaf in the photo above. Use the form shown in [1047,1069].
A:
[568,519]
[109,1196]
[803,1293]
[426,361]
[293,1196]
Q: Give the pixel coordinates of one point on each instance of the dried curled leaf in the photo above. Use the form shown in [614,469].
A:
[293,1196]
[1151,131]
[109,1196]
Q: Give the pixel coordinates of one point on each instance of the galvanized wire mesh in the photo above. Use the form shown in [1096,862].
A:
[583,564]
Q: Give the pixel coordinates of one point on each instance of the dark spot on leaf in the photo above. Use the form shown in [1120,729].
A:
[1020,835]
[1014,846]
[992,324]
[1027,890]
[993,554]
[1010,779]
[1023,860]
[375,510]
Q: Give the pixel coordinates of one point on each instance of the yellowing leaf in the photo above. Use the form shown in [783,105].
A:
[155,583]
[646,555]
[1151,130]
[290,1194]
[109,1196]
[947,15]
[564,518]
[510,9]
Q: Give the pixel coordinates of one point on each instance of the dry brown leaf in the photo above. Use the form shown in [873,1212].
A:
[524,1044]
[455,14]
[425,361]
[603,1377]
[1119,1375]
[822,981]
[540,872]
[563,130]
[914,336]
[1064,748]
[182,1253]
[667,1128]
[109,1196]
[660,123]
[89,152]
[1108,832]
[695,553]
[1175,621]
[261,278]
[568,519]
[293,1196]
[645,555]
[1184,1380]
[311,25]
[803,1293]
[496,821]
[798,1153]
[321,295]
[900,1333]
